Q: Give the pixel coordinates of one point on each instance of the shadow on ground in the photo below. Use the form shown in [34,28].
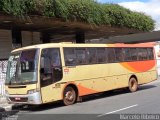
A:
[144,87]
[84,99]
[115,93]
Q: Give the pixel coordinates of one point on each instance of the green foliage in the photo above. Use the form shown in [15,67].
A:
[76,10]
[1,5]
[116,13]
[123,17]
[18,7]
[56,8]
[88,11]
[141,22]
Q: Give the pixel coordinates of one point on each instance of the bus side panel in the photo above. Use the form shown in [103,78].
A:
[119,74]
[103,77]
[97,78]
[146,77]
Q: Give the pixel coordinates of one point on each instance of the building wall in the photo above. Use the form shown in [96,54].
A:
[5,49]
[6,46]
[5,43]
[30,38]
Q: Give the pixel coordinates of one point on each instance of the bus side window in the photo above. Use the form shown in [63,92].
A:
[150,54]
[69,56]
[133,53]
[91,55]
[127,54]
[81,56]
[111,55]
[142,54]
[101,57]
[119,54]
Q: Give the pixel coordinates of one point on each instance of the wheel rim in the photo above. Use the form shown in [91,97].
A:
[133,85]
[69,97]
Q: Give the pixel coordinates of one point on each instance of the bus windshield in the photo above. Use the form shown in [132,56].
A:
[22,67]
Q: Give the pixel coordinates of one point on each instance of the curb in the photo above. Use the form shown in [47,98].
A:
[10,107]
[3,100]
[6,107]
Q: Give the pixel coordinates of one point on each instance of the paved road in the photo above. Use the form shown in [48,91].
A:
[145,101]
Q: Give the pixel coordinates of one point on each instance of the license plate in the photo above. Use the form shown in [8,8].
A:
[17,98]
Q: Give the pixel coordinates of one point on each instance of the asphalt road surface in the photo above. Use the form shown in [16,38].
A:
[120,102]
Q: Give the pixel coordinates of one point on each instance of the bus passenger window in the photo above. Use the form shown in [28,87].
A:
[119,54]
[133,53]
[81,56]
[142,54]
[150,54]
[111,55]
[101,57]
[127,56]
[69,56]
[91,56]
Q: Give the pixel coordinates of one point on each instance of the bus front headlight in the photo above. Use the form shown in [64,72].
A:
[32,91]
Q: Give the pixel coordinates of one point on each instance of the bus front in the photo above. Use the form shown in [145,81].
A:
[21,83]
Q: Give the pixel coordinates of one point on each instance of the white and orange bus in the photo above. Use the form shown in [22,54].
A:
[64,71]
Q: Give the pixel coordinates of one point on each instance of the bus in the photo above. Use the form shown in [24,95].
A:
[51,72]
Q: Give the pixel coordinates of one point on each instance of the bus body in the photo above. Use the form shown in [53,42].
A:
[57,71]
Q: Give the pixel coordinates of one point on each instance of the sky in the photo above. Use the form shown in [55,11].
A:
[149,7]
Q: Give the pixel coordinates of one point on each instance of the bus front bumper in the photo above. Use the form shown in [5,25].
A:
[34,98]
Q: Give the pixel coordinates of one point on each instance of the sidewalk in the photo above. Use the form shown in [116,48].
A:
[4,106]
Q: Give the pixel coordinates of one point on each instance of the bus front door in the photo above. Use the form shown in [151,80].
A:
[50,73]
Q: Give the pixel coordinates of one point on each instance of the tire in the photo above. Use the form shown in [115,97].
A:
[133,84]
[69,96]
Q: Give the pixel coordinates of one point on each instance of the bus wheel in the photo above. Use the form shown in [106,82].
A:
[133,84]
[69,96]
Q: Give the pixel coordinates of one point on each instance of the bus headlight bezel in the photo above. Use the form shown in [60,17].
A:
[32,91]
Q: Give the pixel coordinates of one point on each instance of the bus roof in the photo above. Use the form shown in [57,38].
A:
[49,45]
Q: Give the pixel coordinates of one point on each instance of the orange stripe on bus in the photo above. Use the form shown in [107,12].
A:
[150,44]
[85,91]
[140,66]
